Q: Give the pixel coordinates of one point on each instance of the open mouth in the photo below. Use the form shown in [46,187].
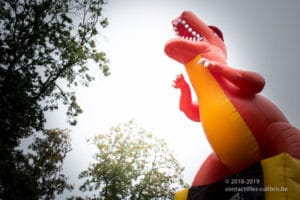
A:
[184,30]
[193,37]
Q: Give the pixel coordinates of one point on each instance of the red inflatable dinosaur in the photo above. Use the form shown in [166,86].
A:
[242,126]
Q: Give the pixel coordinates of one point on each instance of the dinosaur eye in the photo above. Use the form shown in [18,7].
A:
[217,32]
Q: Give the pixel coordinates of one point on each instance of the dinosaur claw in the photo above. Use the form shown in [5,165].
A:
[201,61]
[204,62]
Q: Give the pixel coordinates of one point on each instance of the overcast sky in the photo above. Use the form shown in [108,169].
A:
[261,36]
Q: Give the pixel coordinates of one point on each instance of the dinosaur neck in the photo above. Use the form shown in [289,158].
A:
[204,83]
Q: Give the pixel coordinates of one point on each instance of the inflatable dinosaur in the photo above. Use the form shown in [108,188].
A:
[241,126]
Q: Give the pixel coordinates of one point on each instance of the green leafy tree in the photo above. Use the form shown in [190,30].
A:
[45,162]
[47,48]
[37,174]
[132,164]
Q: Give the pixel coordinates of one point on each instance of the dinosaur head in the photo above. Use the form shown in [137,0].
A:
[194,38]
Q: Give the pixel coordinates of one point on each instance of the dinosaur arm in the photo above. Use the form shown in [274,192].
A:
[246,80]
[186,105]
[250,82]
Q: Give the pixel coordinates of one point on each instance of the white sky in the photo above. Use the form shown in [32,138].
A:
[262,37]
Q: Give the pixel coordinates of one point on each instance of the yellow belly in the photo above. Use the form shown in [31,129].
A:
[225,129]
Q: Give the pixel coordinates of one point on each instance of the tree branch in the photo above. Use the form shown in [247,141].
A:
[51,79]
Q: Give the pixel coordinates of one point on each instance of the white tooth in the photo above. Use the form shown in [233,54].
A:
[179,20]
[190,29]
[199,37]
[193,33]
[183,22]
[186,26]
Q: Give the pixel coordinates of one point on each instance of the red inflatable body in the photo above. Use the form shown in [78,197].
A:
[242,126]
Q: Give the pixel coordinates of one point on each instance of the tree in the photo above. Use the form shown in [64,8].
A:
[47,48]
[45,162]
[37,174]
[132,164]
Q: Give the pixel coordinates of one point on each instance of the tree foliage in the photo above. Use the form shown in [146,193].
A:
[47,48]
[45,162]
[132,164]
[37,173]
